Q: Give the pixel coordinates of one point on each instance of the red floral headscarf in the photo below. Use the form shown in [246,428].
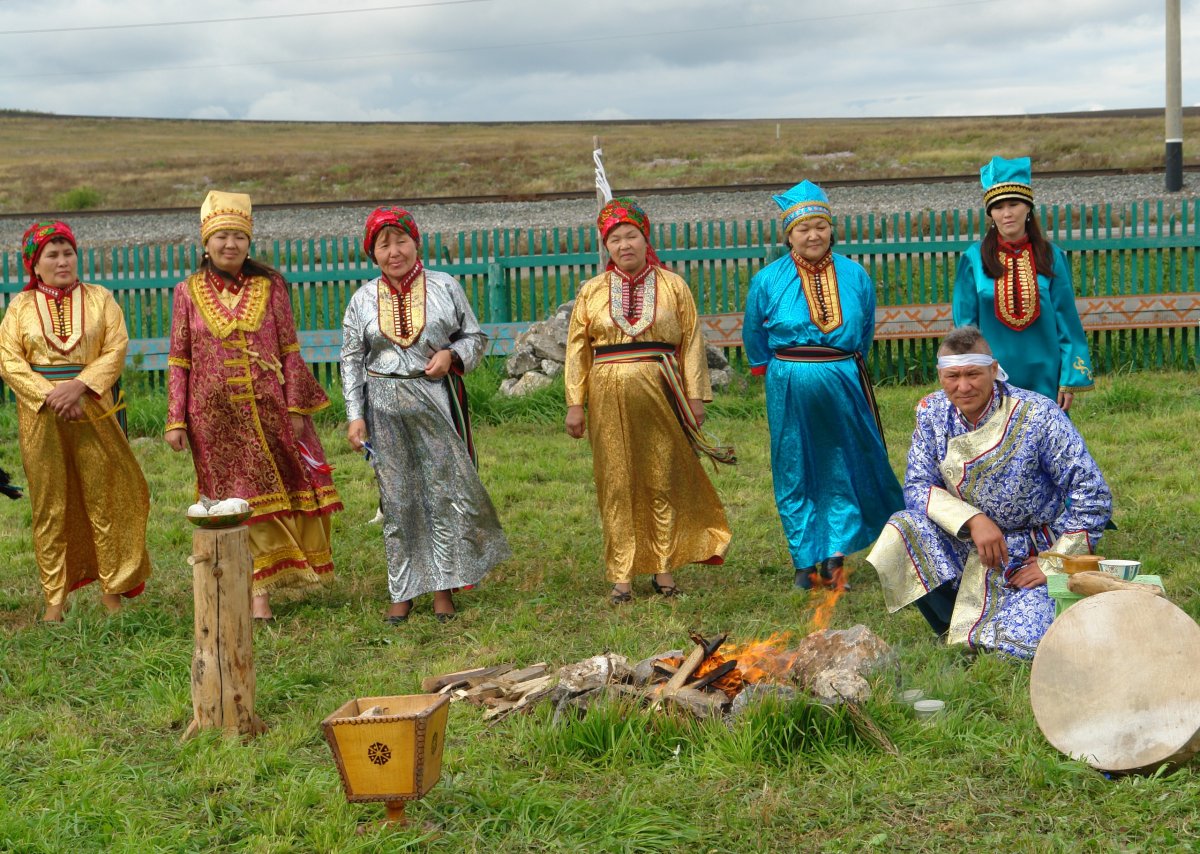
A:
[34,241]
[391,216]
[626,212]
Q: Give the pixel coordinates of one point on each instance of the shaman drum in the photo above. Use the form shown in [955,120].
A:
[1116,682]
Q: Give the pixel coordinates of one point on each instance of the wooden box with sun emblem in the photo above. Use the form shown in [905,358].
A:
[388,748]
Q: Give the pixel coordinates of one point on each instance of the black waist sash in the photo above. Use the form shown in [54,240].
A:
[818,353]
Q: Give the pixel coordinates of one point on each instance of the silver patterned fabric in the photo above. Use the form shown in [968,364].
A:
[440,529]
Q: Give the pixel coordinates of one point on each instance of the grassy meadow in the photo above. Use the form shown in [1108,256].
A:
[91,712]
[166,163]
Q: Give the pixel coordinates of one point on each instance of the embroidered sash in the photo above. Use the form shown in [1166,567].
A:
[816,353]
[246,316]
[819,282]
[664,356]
[632,303]
[402,310]
[61,318]
[1016,292]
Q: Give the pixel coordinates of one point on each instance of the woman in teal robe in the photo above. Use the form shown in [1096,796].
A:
[1015,286]
[810,317]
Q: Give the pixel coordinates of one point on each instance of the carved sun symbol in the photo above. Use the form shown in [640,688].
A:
[379,753]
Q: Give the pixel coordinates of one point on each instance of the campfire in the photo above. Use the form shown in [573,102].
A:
[712,679]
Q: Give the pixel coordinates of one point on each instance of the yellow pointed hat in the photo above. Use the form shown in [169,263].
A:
[225,212]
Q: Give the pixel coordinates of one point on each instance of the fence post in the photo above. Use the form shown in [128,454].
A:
[498,296]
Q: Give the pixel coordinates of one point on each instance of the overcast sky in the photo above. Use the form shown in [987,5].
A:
[523,60]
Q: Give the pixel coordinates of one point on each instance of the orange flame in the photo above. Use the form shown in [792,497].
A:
[823,612]
[766,660]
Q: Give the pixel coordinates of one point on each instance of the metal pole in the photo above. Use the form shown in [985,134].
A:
[1174,147]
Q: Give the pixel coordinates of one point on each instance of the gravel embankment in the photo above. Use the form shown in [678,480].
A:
[99,230]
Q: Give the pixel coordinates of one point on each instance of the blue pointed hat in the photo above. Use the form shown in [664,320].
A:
[803,201]
[1006,179]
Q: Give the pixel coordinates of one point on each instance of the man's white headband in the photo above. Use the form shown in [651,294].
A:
[963,360]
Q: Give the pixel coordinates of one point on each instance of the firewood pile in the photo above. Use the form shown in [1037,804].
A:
[710,679]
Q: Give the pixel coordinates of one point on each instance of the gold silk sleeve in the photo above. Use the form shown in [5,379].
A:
[948,512]
[693,360]
[1072,543]
[579,352]
[104,370]
[29,386]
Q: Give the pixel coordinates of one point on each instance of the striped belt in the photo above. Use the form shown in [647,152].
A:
[664,356]
[817,353]
[634,351]
[58,373]
[62,373]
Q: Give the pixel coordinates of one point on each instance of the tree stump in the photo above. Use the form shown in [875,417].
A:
[223,663]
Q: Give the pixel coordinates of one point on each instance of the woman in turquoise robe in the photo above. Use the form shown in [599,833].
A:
[1034,330]
[810,317]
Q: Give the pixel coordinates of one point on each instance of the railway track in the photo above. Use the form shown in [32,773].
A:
[575,195]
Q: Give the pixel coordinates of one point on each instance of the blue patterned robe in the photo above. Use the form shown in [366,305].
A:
[1026,467]
[1047,356]
[834,487]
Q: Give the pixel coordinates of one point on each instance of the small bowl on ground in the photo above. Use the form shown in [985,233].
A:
[911,696]
[927,710]
[1126,570]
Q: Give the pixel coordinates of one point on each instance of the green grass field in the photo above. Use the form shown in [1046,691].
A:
[73,163]
[91,712]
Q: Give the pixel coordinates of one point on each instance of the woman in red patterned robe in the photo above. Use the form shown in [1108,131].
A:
[242,398]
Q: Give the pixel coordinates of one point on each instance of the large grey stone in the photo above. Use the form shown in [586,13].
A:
[530,382]
[720,379]
[546,346]
[521,361]
[757,692]
[551,369]
[716,357]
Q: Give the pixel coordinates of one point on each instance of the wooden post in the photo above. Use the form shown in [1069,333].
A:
[223,663]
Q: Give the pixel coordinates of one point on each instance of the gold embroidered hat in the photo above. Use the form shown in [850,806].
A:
[225,212]
[1006,179]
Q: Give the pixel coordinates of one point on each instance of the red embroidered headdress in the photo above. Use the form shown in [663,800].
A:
[34,241]
[626,212]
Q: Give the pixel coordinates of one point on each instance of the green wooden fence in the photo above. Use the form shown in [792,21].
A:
[520,275]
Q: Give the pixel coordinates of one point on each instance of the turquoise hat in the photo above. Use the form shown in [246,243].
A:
[1006,179]
[803,201]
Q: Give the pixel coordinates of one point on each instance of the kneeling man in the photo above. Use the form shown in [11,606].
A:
[996,474]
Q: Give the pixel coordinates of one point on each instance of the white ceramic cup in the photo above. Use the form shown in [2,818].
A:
[1126,570]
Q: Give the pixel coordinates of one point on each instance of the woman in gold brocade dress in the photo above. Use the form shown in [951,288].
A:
[637,378]
[62,349]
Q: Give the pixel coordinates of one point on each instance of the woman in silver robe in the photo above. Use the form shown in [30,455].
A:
[407,339]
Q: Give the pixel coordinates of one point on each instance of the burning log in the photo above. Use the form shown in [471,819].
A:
[713,675]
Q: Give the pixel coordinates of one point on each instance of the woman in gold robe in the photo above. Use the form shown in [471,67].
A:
[62,349]
[240,397]
[637,378]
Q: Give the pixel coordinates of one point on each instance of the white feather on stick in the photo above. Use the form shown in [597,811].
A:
[602,186]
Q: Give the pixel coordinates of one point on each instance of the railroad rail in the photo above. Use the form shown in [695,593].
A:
[575,195]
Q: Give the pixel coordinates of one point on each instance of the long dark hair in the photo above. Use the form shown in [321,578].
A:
[1043,256]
